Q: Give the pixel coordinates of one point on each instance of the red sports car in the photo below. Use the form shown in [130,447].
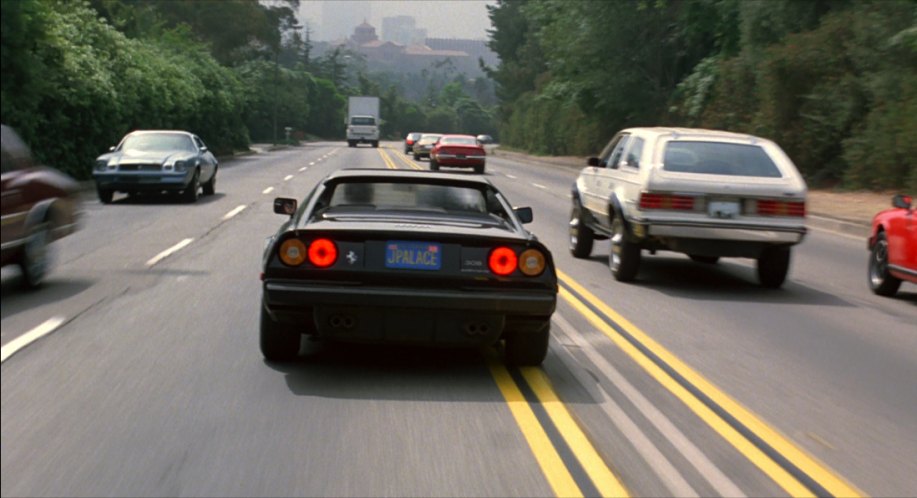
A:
[893,247]
[459,151]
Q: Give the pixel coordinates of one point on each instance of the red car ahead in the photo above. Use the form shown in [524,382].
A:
[893,247]
[459,151]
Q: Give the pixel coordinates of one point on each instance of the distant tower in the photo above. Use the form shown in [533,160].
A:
[339,18]
[364,33]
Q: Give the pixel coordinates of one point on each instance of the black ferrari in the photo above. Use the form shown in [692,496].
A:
[406,257]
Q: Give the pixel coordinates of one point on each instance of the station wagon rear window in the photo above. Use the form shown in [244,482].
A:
[718,158]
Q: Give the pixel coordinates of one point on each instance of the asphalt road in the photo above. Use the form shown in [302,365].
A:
[692,381]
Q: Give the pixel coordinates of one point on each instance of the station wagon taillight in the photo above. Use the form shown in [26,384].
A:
[323,253]
[780,208]
[502,261]
[649,200]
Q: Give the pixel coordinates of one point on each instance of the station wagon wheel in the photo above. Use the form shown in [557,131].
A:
[880,281]
[36,256]
[210,187]
[773,265]
[279,342]
[105,195]
[581,236]
[191,193]
[527,348]
[624,256]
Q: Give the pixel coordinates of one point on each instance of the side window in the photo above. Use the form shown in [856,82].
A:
[606,152]
[634,153]
[199,142]
[618,152]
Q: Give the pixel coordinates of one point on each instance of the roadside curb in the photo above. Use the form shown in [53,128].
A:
[814,219]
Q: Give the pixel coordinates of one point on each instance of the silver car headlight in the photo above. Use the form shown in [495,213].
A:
[182,166]
[101,164]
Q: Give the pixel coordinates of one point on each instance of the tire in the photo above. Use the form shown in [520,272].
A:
[527,348]
[624,256]
[416,156]
[773,265]
[105,195]
[479,169]
[881,281]
[278,341]
[190,195]
[36,256]
[210,187]
[376,144]
[710,260]
[581,236]
[351,143]
[434,166]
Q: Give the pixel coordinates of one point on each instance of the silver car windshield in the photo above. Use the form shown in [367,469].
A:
[158,142]
[718,158]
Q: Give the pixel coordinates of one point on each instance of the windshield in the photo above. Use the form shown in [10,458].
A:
[718,158]
[363,120]
[156,142]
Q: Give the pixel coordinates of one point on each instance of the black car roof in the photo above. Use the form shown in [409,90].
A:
[402,174]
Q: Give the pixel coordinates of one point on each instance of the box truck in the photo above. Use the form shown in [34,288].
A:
[363,121]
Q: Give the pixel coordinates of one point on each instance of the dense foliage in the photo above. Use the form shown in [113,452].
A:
[832,81]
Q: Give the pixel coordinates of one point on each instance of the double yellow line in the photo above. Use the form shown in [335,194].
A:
[390,164]
[797,472]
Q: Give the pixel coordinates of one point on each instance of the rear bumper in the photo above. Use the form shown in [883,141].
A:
[746,233]
[726,239]
[457,162]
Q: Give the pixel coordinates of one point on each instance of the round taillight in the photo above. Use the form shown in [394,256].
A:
[531,262]
[322,253]
[292,252]
[502,261]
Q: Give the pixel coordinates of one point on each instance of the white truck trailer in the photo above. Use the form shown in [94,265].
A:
[363,121]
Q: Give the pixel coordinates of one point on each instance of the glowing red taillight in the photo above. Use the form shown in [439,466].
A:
[650,200]
[780,208]
[322,253]
[502,261]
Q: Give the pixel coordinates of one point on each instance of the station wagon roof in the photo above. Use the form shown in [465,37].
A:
[701,133]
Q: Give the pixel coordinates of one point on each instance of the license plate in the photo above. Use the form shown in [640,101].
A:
[723,209]
[461,156]
[413,255]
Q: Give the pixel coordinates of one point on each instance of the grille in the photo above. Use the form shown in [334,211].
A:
[139,167]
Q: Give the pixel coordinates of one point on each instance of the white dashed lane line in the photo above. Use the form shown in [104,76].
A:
[511,177]
[540,186]
[267,190]
[303,169]
[168,252]
[288,178]
[312,163]
[234,212]
[29,337]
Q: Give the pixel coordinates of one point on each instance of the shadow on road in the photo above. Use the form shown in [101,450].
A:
[16,299]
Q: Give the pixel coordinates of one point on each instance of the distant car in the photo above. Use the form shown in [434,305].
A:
[423,146]
[485,139]
[458,151]
[39,205]
[156,161]
[705,193]
[409,140]
[893,247]
[411,257]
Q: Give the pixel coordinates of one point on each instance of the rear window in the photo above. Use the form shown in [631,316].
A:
[459,140]
[718,158]
[363,121]
[359,196]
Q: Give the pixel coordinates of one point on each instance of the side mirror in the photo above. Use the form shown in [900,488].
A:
[285,205]
[111,149]
[524,214]
[902,201]
[204,149]
[592,161]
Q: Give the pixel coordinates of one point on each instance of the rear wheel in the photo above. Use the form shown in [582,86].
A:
[624,257]
[279,342]
[434,166]
[581,236]
[375,144]
[190,194]
[704,259]
[351,143]
[210,187]
[416,156]
[479,169]
[773,265]
[36,256]
[527,348]
[105,195]
[881,281]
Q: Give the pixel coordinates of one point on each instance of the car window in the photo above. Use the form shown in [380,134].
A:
[363,120]
[612,146]
[459,140]
[157,142]
[617,152]
[718,158]
[634,153]
[15,153]
[371,196]
[199,142]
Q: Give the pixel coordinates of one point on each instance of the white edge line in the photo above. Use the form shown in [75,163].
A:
[29,337]
[234,212]
[267,190]
[288,178]
[168,252]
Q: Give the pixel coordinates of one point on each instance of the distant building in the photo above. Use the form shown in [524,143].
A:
[474,48]
[364,34]
[403,30]
[339,18]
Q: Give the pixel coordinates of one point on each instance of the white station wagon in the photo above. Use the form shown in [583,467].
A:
[705,193]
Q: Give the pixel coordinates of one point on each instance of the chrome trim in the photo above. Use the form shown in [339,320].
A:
[901,269]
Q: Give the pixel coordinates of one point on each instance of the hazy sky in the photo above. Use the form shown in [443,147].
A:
[441,18]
